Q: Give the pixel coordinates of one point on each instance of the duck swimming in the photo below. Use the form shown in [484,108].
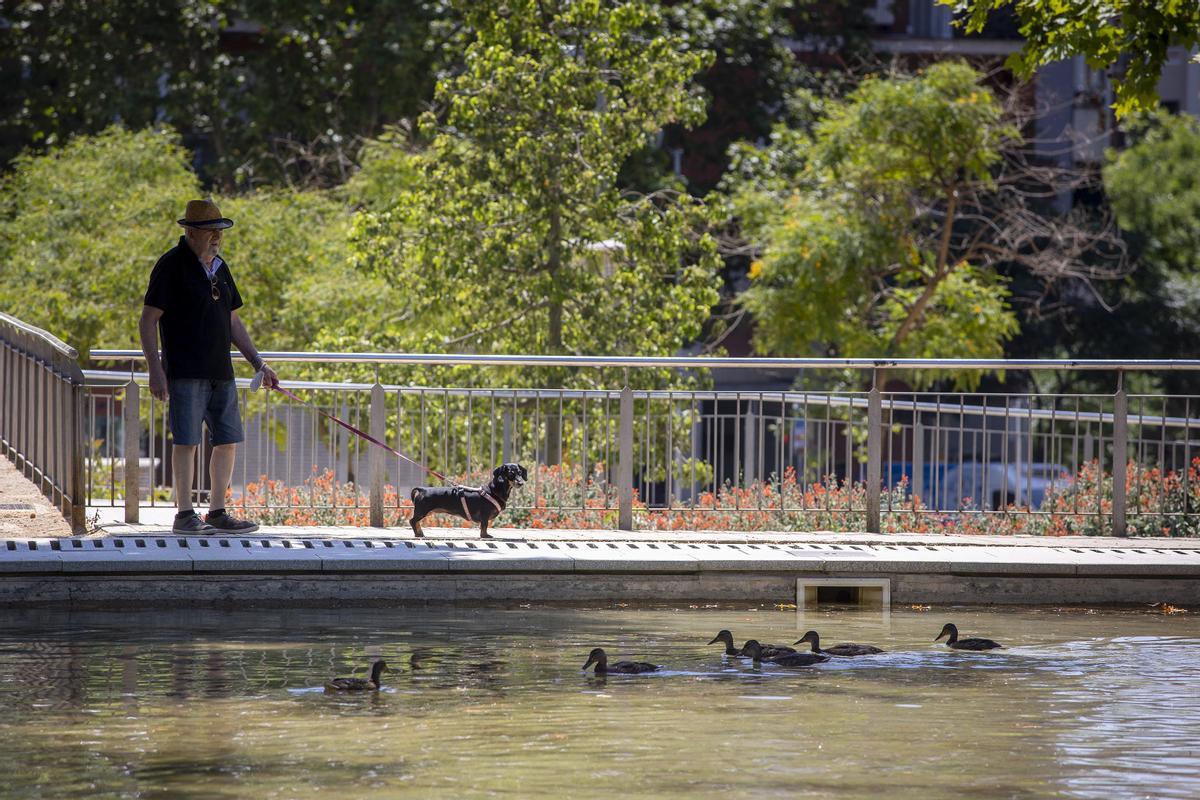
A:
[600,659]
[727,638]
[358,684]
[793,659]
[973,643]
[769,651]
[844,650]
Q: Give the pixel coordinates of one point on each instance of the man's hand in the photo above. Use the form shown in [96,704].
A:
[158,382]
[270,379]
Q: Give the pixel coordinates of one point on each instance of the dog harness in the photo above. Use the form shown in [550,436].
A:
[462,498]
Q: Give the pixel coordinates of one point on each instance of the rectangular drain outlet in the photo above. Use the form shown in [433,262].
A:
[875,593]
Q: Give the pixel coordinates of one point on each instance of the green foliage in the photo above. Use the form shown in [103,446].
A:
[389,165]
[1131,35]
[289,253]
[515,237]
[754,71]
[1155,196]
[1154,192]
[852,221]
[82,225]
[281,90]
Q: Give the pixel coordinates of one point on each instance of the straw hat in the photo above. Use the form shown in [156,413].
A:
[204,214]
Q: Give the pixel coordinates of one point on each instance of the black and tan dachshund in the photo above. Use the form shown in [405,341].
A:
[475,505]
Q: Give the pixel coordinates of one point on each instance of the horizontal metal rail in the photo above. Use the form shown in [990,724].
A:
[699,362]
[106,378]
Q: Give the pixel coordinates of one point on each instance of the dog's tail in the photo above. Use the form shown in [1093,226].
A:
[417,493]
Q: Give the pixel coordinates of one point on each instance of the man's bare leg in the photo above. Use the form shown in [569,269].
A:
[183,467]
[220,470]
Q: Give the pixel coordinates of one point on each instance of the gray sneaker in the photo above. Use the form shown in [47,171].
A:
[224,523]
[191,523]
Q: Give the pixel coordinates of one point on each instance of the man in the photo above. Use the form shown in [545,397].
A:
[193,299]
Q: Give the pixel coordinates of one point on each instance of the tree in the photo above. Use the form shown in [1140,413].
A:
[80,228]
[881,229]
[82,225]
[754,69]
[1154,192]
[279,91]
[516,237]
[1129,36]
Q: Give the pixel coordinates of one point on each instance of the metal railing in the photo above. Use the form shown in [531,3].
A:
[41,413]
[861,459]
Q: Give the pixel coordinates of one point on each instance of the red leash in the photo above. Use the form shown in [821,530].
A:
[364,435]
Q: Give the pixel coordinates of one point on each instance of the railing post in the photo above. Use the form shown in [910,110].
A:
[79,443]
[506,444]
[625,462]
[874,453]
[918,460]
[1120,455]
[130,413]
[749,440]
[379,431]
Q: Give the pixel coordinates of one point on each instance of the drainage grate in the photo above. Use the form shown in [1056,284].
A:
[15,507]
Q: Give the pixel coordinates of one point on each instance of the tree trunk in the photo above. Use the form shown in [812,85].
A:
[554,336]
[940,272]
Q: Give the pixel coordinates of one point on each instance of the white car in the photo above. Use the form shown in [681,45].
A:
[995,485]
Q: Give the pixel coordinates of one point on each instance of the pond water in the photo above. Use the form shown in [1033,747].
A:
[1082,703]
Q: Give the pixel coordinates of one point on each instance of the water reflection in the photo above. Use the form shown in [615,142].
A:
[492,701]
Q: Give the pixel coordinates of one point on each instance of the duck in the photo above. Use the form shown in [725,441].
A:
[600,659]
[358,684]
[793,659]
[769,651]
[974,643]
[844,650]
[727,638]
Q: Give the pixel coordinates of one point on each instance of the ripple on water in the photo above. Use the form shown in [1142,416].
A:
[493,701]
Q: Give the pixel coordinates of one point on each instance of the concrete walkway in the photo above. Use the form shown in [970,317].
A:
[136,564]
[25,511]
[159,520]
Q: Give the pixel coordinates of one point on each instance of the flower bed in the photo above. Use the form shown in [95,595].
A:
[1158,504]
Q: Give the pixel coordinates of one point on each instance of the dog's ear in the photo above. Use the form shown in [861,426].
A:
[498,471]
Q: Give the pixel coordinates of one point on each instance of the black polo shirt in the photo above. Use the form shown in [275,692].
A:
[195,329]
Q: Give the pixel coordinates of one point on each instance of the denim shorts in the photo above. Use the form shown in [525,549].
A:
[195,400]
